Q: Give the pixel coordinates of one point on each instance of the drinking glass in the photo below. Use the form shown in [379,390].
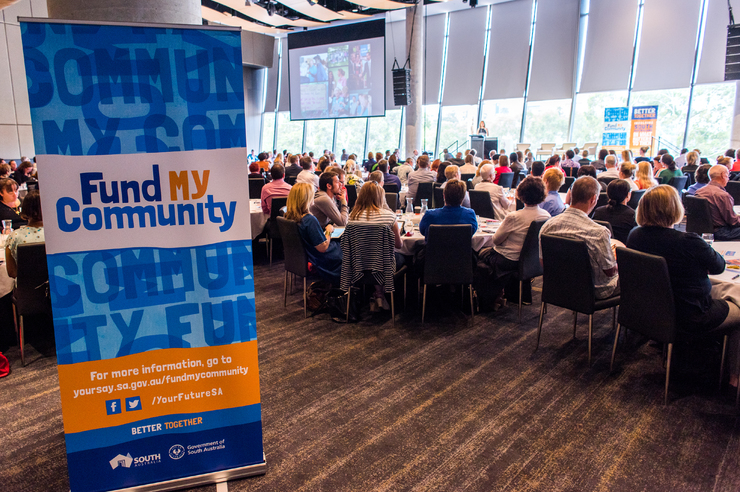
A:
[409,205]
[7,226]
[408,226]
[709,238]
[424,205]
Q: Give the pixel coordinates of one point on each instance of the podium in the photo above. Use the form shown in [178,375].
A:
[483,145]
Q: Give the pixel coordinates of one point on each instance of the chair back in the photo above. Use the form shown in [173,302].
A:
[367,255]
[391,188]
[569,180]
[278,202]
[33,273]
[296,260]
[678,182]
[529,259]
[255,187]
[606,180]
[449,255]
[698,215]
[392,200]
[424,192]
[480,202]
[439,197]
[469,184]
[467,176]
[606,224]
[505,180]
[290,180]
[351,195]
[567,277]
[570,171]
[690,178]
[733,188]
[646,299]
[635,198]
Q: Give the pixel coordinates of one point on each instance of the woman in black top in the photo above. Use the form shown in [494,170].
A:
[23,172]
[482,130]
[616,212]
[9,202]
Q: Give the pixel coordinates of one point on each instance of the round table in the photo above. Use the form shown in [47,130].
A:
[481,239]
[727,283]
[258,218]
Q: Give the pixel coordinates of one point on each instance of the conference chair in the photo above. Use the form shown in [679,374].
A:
[570,171]
[689,179]
[296,260]
[635,198]
[448,259]
[733,188]
[529,259]
[569,180]
[424,191]
[290,180]
[391,188]
[545,149]
[273,231]
[606,224]
[522,147]
[678,182]
[480,202]
[591,147]
[351,195]
[564,147]
[647,306]
[568,282]
[698,215]
[602,200]
[505,180]
[255,188]
[467,176]
[606,180]
[30,296]
[439,197]
[392,200]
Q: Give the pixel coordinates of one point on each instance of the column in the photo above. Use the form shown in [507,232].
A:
[153,11]
[414,111]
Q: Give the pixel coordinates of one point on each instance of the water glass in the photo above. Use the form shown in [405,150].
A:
[424,207]
[409,205]
[7,226]
[709,238]
[408,226]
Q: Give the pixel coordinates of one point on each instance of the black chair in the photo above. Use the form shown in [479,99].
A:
[568,183]
[439,198]
[480,202]
[30,295]
[505,180]
[568,282]
[391,188]
[519,204]
[529,259]
[690,179]
[273,231]
[733,188]
[448,259]
[296,260]
[606,224]
[255,187]
[290,180]
[351,195]
[424,192]
[647,305]
[602,200]
[606,180]
[678,182]
[570,171]
[466,176]
[469,184]
[635,198]
[392,200]
[698,215]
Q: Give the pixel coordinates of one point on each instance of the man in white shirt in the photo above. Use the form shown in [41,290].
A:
[308,175]
[421,175]
[500,203]
[611,167]
[469,168]
[476,160]
[415,156]
[403,171]
[251,157]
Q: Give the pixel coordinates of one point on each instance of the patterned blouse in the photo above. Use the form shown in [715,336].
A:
[24,235]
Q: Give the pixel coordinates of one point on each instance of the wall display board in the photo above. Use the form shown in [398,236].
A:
[142,164]
[616,127]
[644,127]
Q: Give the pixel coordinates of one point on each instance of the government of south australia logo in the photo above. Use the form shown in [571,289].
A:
[177,452]
[121,460]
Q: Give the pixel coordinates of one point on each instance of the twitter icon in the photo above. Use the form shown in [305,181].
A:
[133,403]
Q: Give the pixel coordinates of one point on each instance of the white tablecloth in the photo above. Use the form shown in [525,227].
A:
[7,284]
[258,218]
[727,283]
[481,239]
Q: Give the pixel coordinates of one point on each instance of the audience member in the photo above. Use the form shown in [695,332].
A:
[404,169]
[23,173]
[503,167]
[441,176]
[553,161]
[681,159]
[611,167]
[293,169]
[453,172]
[701,178]
[31,233]
[370,162]
[263,163]
[329,205]
[255,171]
[453,212]
[599,163]
[308,175]
[538,169]
[421,175]
[553,180]
[626,156]
[643,155]
[568,161]
[627,173]
[469,167]
[726,222]
[670,171]
[645,178]
[516,167]
[616,212]
[9,202]
[277,187]
[499,201]
[584,160]
[477,178]
[692,161]
[387,177]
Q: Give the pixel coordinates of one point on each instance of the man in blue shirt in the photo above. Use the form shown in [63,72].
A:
[452,212]
[388,178]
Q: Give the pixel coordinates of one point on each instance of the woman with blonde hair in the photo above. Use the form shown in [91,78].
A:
[354,175]
[477,179]
[626,156]
[627,172]
[645,178]
[322,253]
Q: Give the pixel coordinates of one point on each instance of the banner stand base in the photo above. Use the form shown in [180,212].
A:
[198,480]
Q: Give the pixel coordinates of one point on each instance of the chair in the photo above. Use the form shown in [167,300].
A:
[30,294]
[255,187]
[545,149]
[466,176]
[392,200]
[367,258]
[273,231]
[570,171]
[469,184]
[480,202]
[522,147]
[606,224]
[635,198]
[529,259]
[733,188]
[690,181]
[678,182]
[351,195]
[602,200]
[448,259]
[698,215]
[290,180]
[568,282]
[505,180]
[569,180]
[439,198]
[391,188]
[296,260]
[564,147]
[606,180]
[591,147]
[424,192]
[647,305]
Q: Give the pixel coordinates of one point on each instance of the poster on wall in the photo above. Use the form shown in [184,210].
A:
[616,126]
[141,143]
[644,127]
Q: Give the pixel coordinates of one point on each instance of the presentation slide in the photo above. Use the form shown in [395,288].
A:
[337,72]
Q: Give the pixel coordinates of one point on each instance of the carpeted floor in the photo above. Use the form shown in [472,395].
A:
[445,406]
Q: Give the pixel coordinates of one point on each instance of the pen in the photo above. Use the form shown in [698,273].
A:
[736,276]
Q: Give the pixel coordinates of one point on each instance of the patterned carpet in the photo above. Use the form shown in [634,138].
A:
[444,406]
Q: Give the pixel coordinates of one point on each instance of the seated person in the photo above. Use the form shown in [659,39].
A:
[499,201]
[503,167]
[538,169]
[670,170]
[469,167]
[324,254]
[387,177]
[404,169]
[627,172]
[616,212]
[23,172]
[584,160]
[276,187]
[699,307]
[701,176]
[644,179]
[263,162]
[477,179]
[453,172]
[9,202]
[293,169]
[329,205]
[31,233]
[553,204]
[611,167]
[574,223]
[254,171]
[4,171]
[441,176]
[726,222]
[509,239]
[452,212]
[569,159]
[308,175]
[692,161]
[553,161]
[422,175]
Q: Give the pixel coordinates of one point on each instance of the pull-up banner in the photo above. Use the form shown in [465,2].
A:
[141,142]
[616,126]
[644,126]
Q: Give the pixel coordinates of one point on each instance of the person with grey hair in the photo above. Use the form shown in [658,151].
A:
[476,160]
[499,201]
[726,223]
[610,162]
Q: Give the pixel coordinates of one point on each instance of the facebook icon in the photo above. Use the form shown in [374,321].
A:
[113,407]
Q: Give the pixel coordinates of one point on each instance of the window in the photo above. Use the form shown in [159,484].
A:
[319,136]
[429,139]
[672,106]
[289,133]
[351,136]
[711,112]
[268,131]
[503,119]
[588,123]
[458,122]
[547,121]
[384,132]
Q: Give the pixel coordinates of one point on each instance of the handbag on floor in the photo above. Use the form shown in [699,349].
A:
[4,366]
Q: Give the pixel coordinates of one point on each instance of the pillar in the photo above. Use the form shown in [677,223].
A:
[152,11]
[735,135]
[414,111]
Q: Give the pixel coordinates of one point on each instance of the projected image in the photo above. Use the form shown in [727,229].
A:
[360,74]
